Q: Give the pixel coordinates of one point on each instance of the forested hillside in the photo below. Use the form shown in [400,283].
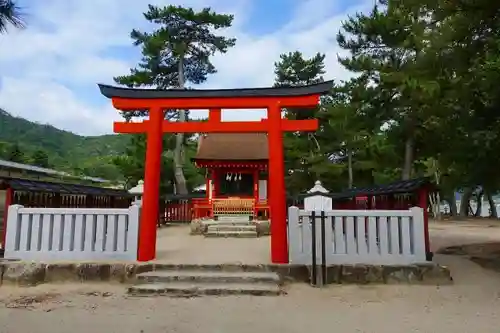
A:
[44,145]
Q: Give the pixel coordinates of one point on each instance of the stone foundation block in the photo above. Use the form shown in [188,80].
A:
[433,274]
[93,272]
[61,272]
[23,273]
[263,227]
[361,274]
[31,273]
[333,274]
[200,226]
[406,274]
[196,227]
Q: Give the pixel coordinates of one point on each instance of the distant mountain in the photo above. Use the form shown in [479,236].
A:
[89,155]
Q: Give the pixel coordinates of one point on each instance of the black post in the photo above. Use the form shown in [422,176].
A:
[323,248]
[314,273]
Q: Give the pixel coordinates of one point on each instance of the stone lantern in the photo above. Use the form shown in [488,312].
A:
[137,191]
[317,199]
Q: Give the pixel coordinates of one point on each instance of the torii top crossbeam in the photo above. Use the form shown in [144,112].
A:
[272,99]
[248,98]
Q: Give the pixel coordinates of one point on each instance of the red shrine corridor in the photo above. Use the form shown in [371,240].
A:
[176,245]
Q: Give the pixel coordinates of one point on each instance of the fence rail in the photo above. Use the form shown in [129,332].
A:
[72,233]
[356,237]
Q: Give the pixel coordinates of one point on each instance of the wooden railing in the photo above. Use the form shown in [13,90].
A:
[233,206]
[205,208]
[202,208]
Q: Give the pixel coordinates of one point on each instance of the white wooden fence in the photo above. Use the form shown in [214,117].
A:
[72,233]
[356,236]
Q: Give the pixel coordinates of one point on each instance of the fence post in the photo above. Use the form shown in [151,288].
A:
[134,213]
[323,249]
[318,280]
[314,254]
[12,228]
[418,232]
[317,199]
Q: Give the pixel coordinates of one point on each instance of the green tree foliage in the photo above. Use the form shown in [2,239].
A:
[3,149]
[40,158]
[131,164]
[389,46]
[432,67]
[177,52]
[10,14]
[423,101]
[466,47]
[348,130]
[293,70]
[15,154]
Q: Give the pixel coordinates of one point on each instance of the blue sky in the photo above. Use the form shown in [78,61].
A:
[49,71]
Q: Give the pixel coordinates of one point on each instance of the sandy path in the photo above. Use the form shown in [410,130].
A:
[471,305]
[175,245]
[452,233]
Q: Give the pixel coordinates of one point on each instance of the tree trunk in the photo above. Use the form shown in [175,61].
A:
[435,201]
[464,202]
[437,204]
[349,168]
[180,180]
[408,161]
[453,205]
[479,207]
[493,207]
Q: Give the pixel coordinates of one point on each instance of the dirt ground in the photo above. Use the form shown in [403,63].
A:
[175,245]
[470,305]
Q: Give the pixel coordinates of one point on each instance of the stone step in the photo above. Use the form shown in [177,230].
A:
[228,222]
[201,289]
[234,267]
[219,277]
[235,234]
[243,216]
[233,218]
[231,227]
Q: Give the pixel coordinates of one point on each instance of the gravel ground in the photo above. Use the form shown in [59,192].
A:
[470,305]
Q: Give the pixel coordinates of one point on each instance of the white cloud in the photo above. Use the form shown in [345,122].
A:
[49,70]
[51,103]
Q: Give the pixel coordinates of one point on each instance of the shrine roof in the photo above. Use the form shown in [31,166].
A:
[121,92]
[398,187]
[233,147]
[31,185]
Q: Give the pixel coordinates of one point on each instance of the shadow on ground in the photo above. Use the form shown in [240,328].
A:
[487,255]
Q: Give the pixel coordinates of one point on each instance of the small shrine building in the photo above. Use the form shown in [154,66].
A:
[236,168]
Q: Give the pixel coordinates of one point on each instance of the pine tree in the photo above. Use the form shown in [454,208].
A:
[301,149]
[176,53]
[389,46]
[10,14]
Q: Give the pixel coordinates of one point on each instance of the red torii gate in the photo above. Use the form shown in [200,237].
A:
[272,99]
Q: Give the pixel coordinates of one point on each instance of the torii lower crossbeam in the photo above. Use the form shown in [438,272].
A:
[217,127]
[156,101]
